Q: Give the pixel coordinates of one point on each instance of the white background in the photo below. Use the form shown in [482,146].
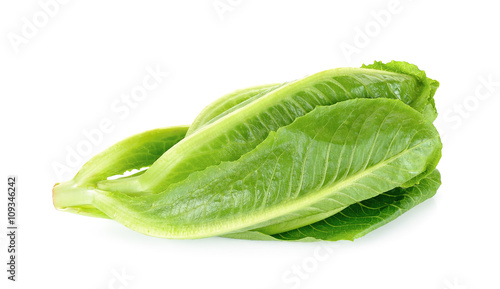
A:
[71,71]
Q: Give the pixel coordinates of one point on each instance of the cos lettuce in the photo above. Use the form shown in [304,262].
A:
[331,156]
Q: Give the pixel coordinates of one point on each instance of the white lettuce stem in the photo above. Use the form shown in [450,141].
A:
[69,194]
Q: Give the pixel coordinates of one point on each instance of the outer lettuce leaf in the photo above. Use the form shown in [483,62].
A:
[329,159]
[135,152]
[358,219]
[138,151]
[226,103]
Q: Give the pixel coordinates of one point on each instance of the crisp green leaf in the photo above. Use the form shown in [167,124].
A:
[360,218]
[135,152]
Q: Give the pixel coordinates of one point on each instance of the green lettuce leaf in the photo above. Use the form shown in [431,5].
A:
[360,218]
[136,152]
